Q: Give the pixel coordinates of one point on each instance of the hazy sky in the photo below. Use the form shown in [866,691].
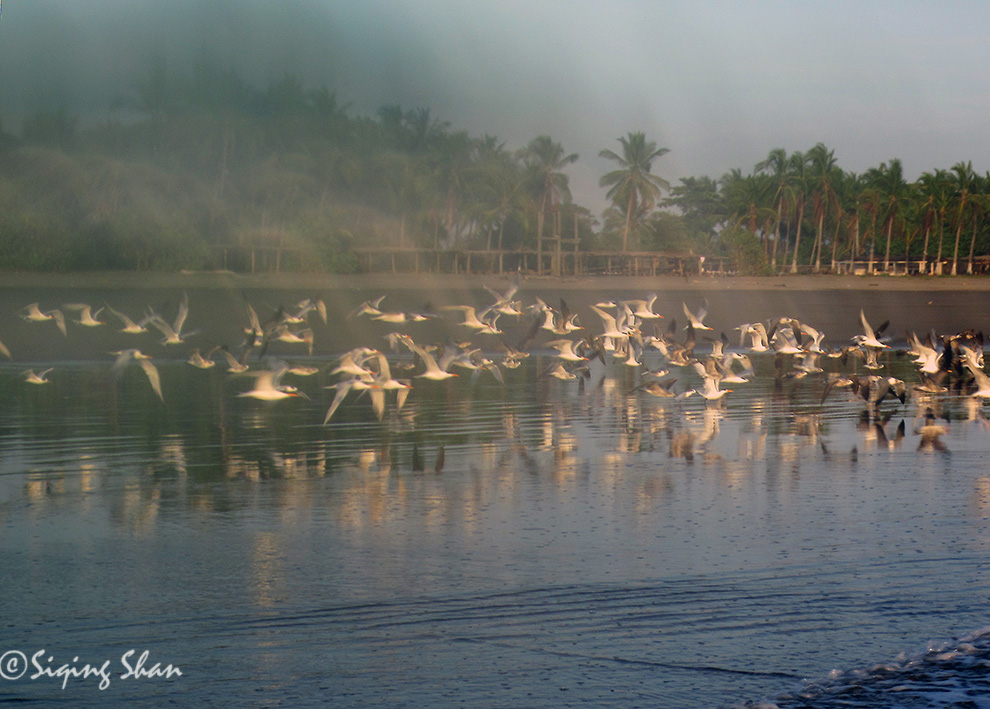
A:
[718,83]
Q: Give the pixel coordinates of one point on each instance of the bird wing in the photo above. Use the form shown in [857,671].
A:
[377,402]
[180,318]
[866,325]
[343,387]
[152,373]
[59,319]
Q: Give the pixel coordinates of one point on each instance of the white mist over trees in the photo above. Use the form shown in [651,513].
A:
[209,161]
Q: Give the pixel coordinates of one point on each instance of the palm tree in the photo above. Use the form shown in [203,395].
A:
[453,163]
[870,200]
[979,201]
[747,199]
[889,181]
[843,197]
[823,174]
[935,189]
[403,186]
[965,180]
[798,168]
[499,193]
[701,205]
[543,160]
[776,165]
[633,182]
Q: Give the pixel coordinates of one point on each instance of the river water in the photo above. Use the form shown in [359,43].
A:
[537,543]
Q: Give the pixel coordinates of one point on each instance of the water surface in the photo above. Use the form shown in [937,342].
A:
[541,543]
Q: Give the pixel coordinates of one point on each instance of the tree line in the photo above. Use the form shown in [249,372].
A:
[189,164]
[804,211]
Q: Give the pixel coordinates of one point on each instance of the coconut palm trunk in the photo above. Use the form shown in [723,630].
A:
[886,256]
[776,235]
[955,251]
[972,246]
[797,237]
[629,212]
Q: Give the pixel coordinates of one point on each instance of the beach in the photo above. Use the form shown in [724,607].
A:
[295,281]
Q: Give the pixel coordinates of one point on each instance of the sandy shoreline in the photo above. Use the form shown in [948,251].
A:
[308,281]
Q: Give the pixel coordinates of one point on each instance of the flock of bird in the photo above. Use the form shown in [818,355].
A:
[630,332]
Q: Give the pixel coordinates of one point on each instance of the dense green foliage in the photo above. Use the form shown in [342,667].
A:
[208,169]
[807,213]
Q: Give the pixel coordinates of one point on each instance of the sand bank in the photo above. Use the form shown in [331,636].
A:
[314,281]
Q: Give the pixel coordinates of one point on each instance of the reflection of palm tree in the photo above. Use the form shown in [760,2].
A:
[633,183]
[544,160]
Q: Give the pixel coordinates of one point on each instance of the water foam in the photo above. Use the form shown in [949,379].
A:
[952,674]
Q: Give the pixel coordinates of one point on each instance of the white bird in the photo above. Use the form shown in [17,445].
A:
[564,373]
[36,378]
[352,363]
[234,365]
[284,333]
[87,317]
[869,337]
[303,308]
[559,322]
[384,382]
[643,309]
[368,307]
[173,333]
[696,320]
[784,340]
[201,361]
[267,387]
[757,333]
[130,326]
[254,329]
[302,370]
[730,376]
[33,313]
[133,355]
[472,320]
[980,378]
[344,387]
[399,317]
[817,337]
[615,327]
[433,370]
[503,301]
[375,383]
[710,384]
[927,356]
[565,350]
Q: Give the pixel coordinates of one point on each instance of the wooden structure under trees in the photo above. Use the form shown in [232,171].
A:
[554,262]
